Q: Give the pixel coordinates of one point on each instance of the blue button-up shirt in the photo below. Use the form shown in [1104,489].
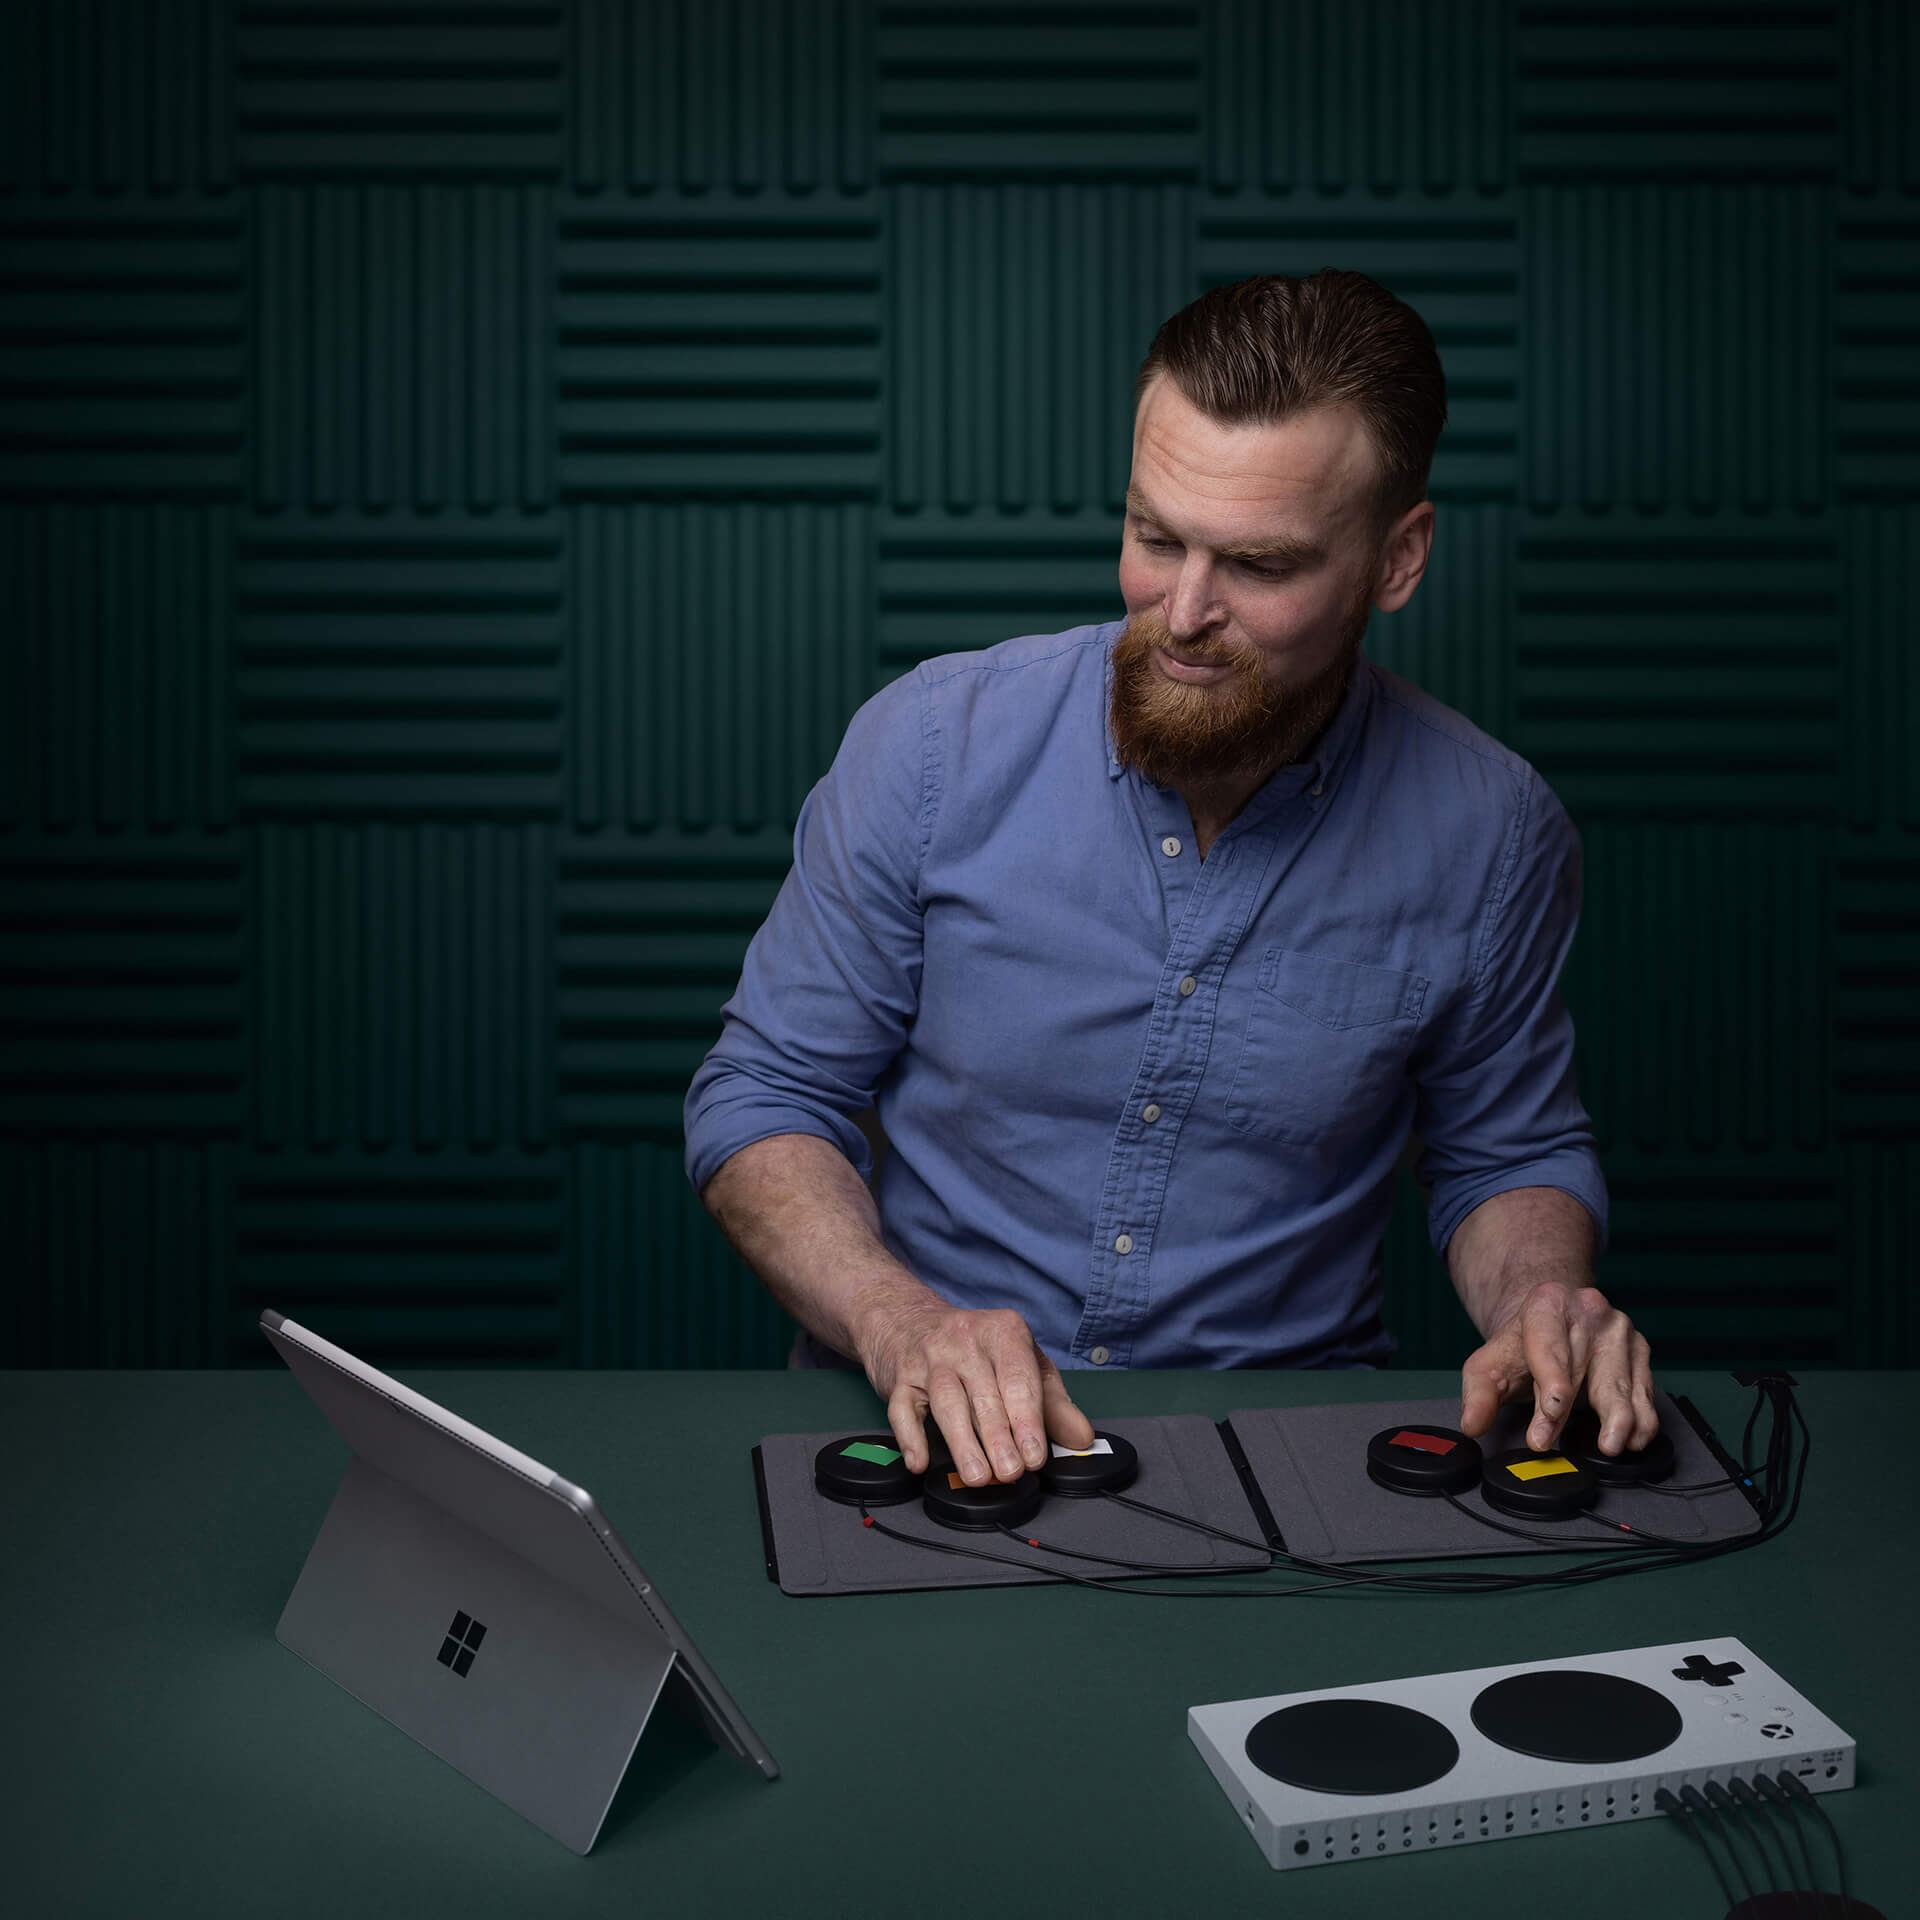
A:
[1156,1103]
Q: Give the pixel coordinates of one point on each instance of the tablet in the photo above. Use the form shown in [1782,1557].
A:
[484,1605]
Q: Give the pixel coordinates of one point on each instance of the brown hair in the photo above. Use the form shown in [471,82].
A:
[1264,350]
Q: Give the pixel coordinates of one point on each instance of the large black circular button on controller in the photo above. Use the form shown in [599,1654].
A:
[1423,1460]
[1352,1746]
[1578,1717]
[1636,1467]
[1536,1486]
[864,1468]
[949,1500]
[1079,1476]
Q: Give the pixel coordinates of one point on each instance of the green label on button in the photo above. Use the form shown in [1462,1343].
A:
[866,1450]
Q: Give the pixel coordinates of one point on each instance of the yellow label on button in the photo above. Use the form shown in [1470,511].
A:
[1539,1469]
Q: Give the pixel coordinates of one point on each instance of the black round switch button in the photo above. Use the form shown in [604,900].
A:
[1423,1460]
[1636,1467]
[864,1467]
[1108,1466]
[949,1500]
[1536,1486]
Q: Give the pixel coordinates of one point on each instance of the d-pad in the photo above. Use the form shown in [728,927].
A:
[1699,1667]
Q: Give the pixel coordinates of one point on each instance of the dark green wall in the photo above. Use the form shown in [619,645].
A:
[460,465]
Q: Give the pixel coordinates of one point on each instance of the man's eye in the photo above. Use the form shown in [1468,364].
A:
[1155,544]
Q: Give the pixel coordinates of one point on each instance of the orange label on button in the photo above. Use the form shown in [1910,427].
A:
[955,1482]
[1539,1469]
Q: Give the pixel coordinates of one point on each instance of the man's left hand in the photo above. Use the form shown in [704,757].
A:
[1555,1340]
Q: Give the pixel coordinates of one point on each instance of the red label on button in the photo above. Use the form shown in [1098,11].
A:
[1422,1442]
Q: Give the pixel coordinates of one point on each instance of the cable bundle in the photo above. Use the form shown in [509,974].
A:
[1762,1812]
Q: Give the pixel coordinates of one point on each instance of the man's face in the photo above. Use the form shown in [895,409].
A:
[1249,572]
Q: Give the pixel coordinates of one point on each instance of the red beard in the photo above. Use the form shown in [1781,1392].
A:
[1178,735]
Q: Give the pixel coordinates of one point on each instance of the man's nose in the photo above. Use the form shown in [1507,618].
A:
[1190,607]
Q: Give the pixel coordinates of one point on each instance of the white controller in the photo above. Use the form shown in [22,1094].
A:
[1429,1762]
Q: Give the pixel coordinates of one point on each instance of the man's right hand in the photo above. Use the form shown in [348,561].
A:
[997,1398]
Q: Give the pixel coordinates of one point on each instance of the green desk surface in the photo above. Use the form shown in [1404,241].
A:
[1007,1752]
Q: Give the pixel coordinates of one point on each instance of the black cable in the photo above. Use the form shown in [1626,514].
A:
[1784,1808]
[1740,1797]
[1340,1577]
[1746,1438]
[1735,1815]
[1764,1814]
[1725,1484]
[1674,1810]
[1181,1520]
[1793,1786]
[1334,1569]
[1108,1559]
[1519,1533]
[1691,1798]
[1082,1580]
[1640,1533]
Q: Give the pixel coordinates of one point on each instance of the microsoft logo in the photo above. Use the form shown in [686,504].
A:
[461,1644]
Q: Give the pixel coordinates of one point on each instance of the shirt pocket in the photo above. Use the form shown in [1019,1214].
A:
[1326,1046]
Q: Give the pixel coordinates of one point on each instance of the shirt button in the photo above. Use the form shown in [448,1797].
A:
[1170,846]
[1149,1113]
[1315,788]
[1124,1244]
[1099,1356]
[1187,986]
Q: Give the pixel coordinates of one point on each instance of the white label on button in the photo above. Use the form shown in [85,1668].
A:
[1188,984]
[1124,1244]
[1170,846]
[1081,1453]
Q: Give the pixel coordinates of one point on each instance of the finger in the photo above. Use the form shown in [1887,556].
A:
[954,1411]
[1065,1422]
[1018,1364]
[1610,1383]
[1646,1417]
[990,1422]
[1549,1341]
[1487,1381]
[905,1408]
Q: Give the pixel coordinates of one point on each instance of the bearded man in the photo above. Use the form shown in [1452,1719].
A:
[1153,942]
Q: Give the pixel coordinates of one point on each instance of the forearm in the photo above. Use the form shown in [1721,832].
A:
[1507,1245]
[803,1220]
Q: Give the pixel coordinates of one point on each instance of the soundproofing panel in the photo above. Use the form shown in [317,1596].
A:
[462,463]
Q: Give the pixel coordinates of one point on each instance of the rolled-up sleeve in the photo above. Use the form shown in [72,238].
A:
[832,978]
[1496,1106]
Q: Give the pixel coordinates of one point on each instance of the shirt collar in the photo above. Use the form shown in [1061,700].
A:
[1314,775]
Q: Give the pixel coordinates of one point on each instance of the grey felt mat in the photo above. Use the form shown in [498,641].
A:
[821,1547]
[1311,1467]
